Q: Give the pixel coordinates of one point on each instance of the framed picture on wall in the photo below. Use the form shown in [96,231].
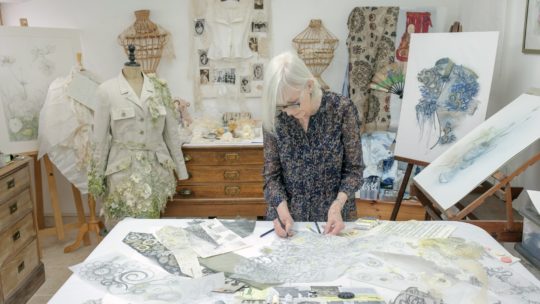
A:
[531,32]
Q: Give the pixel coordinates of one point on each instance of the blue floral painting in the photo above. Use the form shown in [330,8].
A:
[448,94]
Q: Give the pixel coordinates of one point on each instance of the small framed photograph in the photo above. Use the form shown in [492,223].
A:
[226,76]
[531,31]
[245,85]
[203,57]
[259,4]
[253,43]
[258,27]
[204,76]
[198,26]
[258,71]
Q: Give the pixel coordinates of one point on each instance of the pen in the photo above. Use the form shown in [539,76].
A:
[317,225]
[267,232]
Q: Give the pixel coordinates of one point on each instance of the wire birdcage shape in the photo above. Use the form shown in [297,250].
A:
[316,45]
[148,38]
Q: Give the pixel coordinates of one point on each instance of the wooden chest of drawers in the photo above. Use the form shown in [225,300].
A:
[223,181]
[21,271]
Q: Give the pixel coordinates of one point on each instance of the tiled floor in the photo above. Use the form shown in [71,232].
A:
[56,264]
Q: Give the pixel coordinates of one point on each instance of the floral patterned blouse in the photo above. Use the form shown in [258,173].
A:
[308,169]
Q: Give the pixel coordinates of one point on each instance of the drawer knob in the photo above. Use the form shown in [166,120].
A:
[231,174]
[185,192]
[187,158]
[13,208]
[20,268]
[232,190]
[11,183]
[231,156]
[16,236]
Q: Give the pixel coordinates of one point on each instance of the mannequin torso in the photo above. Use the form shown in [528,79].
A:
[134,77]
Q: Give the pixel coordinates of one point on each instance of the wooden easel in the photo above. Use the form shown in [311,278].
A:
[404,182]
[93,224]
[508,230]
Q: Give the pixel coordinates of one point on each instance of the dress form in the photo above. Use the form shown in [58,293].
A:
[132,71]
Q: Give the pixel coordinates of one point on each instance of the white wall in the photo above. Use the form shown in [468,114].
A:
[520,72]
[100,21]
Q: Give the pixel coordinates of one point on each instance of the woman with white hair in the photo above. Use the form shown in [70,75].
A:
[312,150]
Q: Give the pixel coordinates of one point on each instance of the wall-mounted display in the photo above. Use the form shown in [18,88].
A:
[230,47]
[447,87]
[531,31]
[35,57]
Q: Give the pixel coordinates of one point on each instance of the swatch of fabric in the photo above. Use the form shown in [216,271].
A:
[147,245]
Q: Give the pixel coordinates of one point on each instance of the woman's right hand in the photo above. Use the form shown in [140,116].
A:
[287,220]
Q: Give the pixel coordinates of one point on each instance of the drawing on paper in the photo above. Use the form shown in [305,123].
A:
[484,143]
[449,93]
[35,58]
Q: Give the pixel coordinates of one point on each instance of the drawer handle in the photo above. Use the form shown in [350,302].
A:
[13,208]
[11,183]
[185,192]
[231,174]
[187,158]
[20,268]
[232,190]
[16,236]
[232,156]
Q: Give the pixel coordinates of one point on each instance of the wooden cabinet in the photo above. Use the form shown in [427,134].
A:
[223,181]
[21,271]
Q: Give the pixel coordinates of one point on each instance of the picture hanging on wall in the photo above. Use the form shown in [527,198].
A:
[230,47]
[481,152]
[447,87]
[531,31]
[35,58]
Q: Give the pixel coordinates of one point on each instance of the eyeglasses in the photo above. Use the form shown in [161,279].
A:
[281,108]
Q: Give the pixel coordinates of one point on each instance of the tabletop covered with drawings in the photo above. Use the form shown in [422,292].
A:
[227,261]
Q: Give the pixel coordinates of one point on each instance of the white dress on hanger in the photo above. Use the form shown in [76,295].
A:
[65,130]
[137,146]
[228,23]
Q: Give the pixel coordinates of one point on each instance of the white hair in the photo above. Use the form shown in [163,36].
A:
[285,71]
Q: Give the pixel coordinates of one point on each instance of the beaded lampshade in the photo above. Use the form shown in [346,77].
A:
[316,45]
[148,38]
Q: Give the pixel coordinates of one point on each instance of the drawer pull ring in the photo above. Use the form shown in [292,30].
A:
[13,208]
[11,183]
[232,190]
[16,236]
[231,156]
[187,158]
[185,192]
[20,268]
[231,174]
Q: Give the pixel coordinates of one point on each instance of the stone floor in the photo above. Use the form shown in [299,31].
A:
[57,263]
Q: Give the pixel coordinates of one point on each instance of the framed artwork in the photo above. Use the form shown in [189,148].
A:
[34,58]
[447,88]
[531,31]
[481,152]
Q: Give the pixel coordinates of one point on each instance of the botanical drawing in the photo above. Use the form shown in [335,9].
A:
[448,93]
[22,101]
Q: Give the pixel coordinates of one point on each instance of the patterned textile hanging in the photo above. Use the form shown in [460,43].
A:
[148,38]
[417,22]
[371,45]
[316,45]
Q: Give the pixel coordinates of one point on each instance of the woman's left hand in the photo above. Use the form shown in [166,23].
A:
[335,221]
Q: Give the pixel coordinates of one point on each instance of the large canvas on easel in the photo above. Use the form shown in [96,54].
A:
[480,153]
[446,93]
[30,59]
